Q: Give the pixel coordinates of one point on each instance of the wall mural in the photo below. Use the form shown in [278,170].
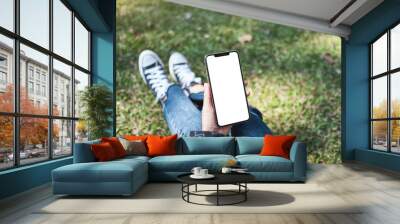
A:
[292,76]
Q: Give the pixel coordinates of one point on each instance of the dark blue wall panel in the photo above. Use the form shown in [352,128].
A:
[356,85]
[103,53]
[24,178]
[103,65]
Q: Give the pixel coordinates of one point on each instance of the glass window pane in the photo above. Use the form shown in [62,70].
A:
[395,136]
[6,74]
[34,97]
[33,140]
[62,138]
[395,47]
[34,21]
[62,89]
[379,135]
[395,94]
[81,81]
[81,131]
[81,45]
[379,97]
[7,14]
[6,142]
[379,55]
[62,29]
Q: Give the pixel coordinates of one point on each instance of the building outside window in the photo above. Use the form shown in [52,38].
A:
[38,89]
[37,75]
[59,127]
[385,91]
[43,90]
[30,72]
[3,80]
[3,61]
[30,87]
[3,72]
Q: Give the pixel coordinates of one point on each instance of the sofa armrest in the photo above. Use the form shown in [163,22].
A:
[83,152]
[298,155]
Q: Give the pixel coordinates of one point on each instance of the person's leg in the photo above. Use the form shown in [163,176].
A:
[254,127]
[180,113]
[180,71]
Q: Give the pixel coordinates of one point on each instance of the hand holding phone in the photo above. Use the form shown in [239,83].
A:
[227,88]
[208,118]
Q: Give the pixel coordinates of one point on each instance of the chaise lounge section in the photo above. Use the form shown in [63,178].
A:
[125,176]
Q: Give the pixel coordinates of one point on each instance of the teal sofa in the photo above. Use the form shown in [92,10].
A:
[125,176]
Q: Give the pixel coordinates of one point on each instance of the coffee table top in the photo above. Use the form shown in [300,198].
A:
[220,178]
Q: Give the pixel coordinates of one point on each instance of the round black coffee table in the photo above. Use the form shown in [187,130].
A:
[238,179]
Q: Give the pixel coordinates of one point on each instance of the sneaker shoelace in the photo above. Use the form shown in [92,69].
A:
[158,81]
[186,76]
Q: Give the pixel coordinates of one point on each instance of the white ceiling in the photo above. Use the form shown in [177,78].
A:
[317,15]
[321,9]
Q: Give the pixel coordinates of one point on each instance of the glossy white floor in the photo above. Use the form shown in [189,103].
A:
[378,189]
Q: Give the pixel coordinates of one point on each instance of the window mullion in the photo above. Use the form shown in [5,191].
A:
[16,84]
[73,82]
[371,140]
[389,106]
[50,81]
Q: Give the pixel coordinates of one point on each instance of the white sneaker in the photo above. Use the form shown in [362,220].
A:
[180,70]
[152,71]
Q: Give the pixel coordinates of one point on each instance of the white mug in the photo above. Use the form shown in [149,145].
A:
[226,170]
[196,171]
[203,172]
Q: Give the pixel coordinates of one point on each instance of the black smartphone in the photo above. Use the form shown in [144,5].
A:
[227,87]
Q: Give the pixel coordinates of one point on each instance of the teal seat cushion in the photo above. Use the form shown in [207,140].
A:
[206,145]
[257,163]
[185,163]
[132,158]
[249,145]
[112,171]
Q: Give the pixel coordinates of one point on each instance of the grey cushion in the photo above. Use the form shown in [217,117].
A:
[134,147]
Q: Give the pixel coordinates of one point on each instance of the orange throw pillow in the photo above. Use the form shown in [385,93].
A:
[103,152]
[275,145]
[116,145]
[161,145]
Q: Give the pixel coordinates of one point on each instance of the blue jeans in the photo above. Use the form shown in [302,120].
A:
[183,115]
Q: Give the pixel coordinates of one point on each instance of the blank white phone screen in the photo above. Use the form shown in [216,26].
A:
[227,88]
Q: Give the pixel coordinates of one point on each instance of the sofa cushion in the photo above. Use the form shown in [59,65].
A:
[206,145]
[185,163]
[112,171]
[83,152]
[257,163]
[134,147]
[133,158]
[249,145]
[161,145]
[116,145]
[103,152]
[277,145]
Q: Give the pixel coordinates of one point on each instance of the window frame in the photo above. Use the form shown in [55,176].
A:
[16,114]
[388,74]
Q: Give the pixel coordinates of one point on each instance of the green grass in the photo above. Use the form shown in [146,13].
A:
[293,75]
